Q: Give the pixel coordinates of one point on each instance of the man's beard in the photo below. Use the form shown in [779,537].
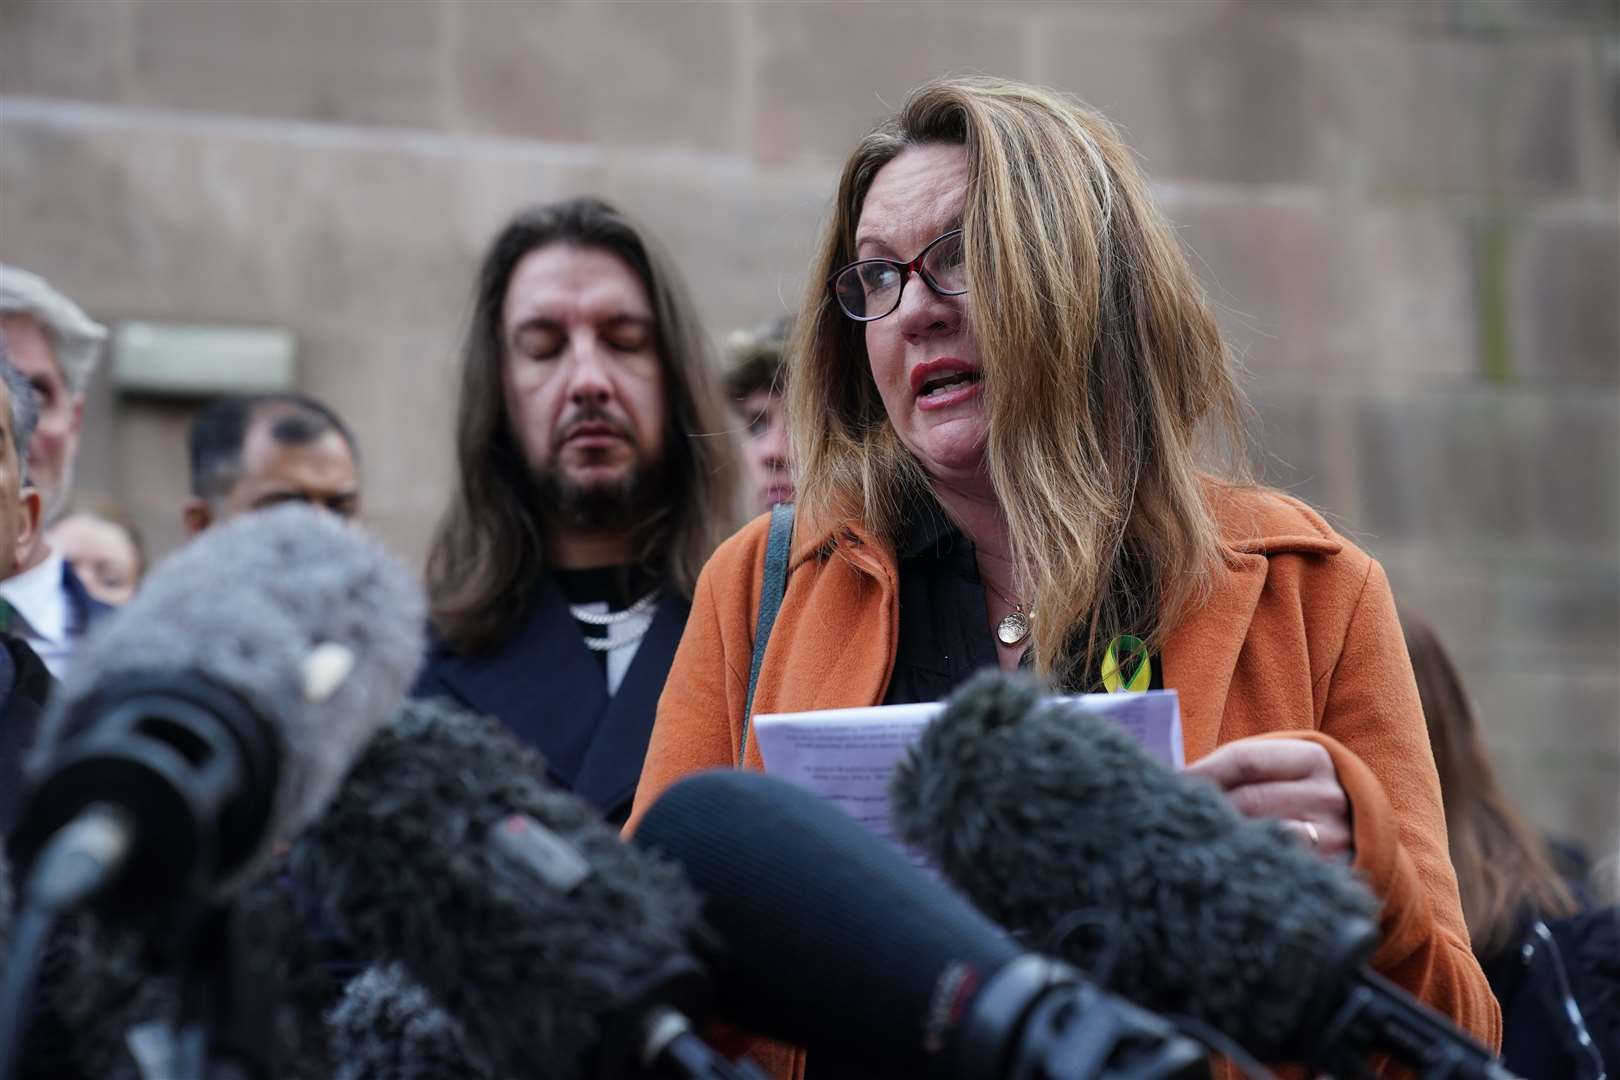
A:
[624,504]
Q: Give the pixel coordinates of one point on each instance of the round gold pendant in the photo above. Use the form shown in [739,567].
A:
[1013,629]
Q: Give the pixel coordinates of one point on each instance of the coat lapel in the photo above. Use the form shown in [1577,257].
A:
[1202,652]
[612,765]
[860,673]
[544,685]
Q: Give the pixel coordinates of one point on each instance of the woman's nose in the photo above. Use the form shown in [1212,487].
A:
[923,312]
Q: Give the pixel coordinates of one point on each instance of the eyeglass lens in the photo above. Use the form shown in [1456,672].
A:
[871,288]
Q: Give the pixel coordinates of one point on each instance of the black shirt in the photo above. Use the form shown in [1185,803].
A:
[944,636]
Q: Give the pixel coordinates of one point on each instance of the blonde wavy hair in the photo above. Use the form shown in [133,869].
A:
[1104,371]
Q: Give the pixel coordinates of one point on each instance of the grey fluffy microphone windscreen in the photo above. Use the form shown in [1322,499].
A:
[511,902]
[329,585]
[288,617]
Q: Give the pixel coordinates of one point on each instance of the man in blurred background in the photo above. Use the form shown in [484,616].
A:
[759,397]
[56,347]
[595,478]
[248,452]
[25,682]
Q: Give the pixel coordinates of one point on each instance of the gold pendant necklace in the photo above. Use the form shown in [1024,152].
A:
[1014,628]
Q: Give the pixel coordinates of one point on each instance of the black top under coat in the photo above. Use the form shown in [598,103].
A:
[943,636]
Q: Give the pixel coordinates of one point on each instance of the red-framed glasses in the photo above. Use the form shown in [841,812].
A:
[869,289]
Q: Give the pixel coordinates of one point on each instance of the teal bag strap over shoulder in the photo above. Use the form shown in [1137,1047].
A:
[777,550]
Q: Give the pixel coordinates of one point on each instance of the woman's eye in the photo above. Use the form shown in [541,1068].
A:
[878,276]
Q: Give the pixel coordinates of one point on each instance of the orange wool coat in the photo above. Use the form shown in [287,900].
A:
[1299,638]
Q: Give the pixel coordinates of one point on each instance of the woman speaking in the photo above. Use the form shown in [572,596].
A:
[1004,379]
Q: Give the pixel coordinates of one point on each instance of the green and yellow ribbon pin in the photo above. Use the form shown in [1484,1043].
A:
[1132,650]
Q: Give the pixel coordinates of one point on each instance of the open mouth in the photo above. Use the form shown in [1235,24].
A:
[946,382]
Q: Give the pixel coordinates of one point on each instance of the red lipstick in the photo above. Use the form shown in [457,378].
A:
[943,382]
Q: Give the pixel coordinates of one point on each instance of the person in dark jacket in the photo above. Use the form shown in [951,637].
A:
[1554,968]
[25,683]
[596,474]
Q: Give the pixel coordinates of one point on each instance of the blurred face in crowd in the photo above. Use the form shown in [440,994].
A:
[924,357]
[583,381]
[19,503]
[766,448]
[56,438]
[321,472]
[102,554]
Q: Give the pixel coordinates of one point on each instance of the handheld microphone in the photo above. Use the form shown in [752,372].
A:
[514,904]
[831,940]
[1051,820]
[386,1027]
[215,713]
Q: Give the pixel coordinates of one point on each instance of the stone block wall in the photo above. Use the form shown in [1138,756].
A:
[1406,210]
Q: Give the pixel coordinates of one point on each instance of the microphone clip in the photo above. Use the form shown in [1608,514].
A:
[1069,1028]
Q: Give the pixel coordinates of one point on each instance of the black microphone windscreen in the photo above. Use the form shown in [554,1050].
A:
[829,938]
[247,604]
[101,981]
[1054,820]
[530,931]
[74,1029]
[386,1027]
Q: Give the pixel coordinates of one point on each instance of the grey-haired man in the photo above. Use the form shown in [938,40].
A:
[56,347]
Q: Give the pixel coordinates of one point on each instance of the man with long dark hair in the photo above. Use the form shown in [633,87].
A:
[596,473]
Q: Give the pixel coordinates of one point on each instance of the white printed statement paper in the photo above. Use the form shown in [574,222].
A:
[847,755]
